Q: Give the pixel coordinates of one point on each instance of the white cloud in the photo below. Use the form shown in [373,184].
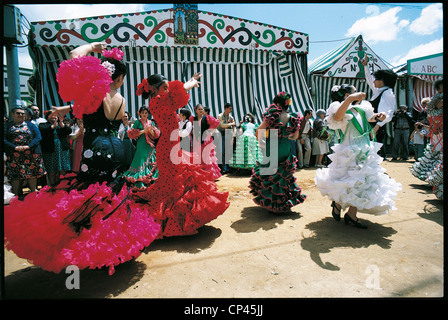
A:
[378,26]
[68,11]
[430,20]
[422,50]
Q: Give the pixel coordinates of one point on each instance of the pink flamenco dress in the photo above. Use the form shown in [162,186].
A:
[207,154]
[185,196]
[89,219]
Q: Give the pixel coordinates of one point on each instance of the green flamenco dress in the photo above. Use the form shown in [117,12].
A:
[143,170]
[277,192]
[247,151]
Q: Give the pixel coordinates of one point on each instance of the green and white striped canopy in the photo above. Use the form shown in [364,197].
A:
[245,63]
[248,79]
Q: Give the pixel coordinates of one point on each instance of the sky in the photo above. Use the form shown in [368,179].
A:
[396,32]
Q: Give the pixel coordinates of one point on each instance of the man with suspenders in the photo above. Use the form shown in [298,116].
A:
[382,83]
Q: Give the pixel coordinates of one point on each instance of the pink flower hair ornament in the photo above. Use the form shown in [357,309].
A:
[115,53]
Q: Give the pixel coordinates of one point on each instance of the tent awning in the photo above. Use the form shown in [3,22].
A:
[248,82]
[328,59]
[345,61]
[156,28]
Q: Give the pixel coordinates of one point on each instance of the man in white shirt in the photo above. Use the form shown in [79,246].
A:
[36,119]
[304,141]
[383,100]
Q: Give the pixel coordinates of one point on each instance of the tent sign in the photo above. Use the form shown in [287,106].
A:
[428,65]
[350,66]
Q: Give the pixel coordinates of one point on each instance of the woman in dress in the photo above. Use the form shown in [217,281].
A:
[55,147]
[247,151]
[185,196]
[89,219]
[321,136]
[203,135]
[278,192]
[77,137]
[143,170]
[355,179]
[23,152]
[429,167]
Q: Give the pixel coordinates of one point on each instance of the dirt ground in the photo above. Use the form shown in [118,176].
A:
[249,253]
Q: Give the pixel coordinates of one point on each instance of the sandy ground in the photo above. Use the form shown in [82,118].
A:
[249,253]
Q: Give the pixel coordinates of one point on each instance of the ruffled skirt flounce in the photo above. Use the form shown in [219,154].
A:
[183,206]
[247,153]
[278,192]
[355,178]
[87,228]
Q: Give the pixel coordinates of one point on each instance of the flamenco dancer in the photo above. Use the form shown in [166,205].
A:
[89,219]
[429,167]
[278,192]
[185,196]
[143,170]
[247,151]
[207,153]
[355,179]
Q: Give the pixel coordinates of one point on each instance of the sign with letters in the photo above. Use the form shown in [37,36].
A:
[428,65]
[350,66]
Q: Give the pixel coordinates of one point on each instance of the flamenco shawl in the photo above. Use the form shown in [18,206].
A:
[89,228]
[85,81]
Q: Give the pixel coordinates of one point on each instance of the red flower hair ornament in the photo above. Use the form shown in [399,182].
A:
[143,87]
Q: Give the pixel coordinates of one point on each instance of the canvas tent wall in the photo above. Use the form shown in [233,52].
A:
[343,65]
[423,72]
[245,63]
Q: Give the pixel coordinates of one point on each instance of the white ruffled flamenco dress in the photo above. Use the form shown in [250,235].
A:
[355,177]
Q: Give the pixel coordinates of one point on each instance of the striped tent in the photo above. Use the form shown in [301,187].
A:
[423,87]
[342,65]
[247,73]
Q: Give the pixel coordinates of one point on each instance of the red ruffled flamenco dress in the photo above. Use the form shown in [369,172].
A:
[185,196]
[207,154]
[90,219]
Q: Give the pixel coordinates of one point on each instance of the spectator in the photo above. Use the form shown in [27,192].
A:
[128,145]
[36,118]
[418,139]
[321,137]
[28,114]
[304,141]
[23,152]
[226,121]
[143,170]
[402,123]
[185,128]
[77,137]
[55,147]
[247,152]
[203,134]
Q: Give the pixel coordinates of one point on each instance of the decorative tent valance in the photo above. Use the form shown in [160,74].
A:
[156,28]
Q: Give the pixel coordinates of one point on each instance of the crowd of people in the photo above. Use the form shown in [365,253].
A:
[122,183]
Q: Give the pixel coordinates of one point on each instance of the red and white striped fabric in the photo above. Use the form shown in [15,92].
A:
[423,88]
